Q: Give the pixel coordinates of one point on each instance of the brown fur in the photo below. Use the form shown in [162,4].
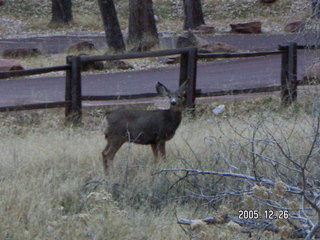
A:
[144,127]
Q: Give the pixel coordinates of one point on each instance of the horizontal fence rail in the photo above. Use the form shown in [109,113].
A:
[301,47]
[33,106]
[36,71]
[159,53]
[238,55]
[125,97]
[118,97]
[239,91]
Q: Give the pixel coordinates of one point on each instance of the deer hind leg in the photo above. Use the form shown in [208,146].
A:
[155,151]
[109,152]
[159,150]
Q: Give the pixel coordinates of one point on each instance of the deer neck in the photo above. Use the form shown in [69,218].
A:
[176,115]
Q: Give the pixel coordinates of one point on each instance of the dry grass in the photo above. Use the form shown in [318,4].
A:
[34,16]
[49,60]
[44,168]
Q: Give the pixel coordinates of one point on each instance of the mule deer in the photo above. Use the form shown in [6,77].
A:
[144,127]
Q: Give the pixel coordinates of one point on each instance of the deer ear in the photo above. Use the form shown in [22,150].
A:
[183,87]
[162,90]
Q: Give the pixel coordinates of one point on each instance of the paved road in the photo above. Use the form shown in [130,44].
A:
[214,76]
[59,44]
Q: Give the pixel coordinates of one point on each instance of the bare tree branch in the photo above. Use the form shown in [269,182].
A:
[291,189]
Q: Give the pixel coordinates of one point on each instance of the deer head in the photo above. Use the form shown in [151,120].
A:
[177,98]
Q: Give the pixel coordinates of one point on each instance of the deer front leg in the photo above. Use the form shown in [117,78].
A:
[109,152]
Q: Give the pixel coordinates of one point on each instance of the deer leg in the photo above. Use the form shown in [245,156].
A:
[159,150]
[162,150]
[155,151]
[109,152]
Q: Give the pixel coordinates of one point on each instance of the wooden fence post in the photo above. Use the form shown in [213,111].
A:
[68,96]
[76,102]
[288,74]
[192,77]
[183,67]
[292,72]
[284,74]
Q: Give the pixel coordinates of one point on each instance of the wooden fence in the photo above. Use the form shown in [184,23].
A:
[37,71]
[188,72]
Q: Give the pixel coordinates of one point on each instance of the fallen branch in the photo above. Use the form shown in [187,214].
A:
[269,182]
[249,225]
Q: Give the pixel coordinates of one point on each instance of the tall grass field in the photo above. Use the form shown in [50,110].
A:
[52,184]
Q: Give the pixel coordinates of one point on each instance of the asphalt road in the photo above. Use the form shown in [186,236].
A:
[213,76]
[60,43]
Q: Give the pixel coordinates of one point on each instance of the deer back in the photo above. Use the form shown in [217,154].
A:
[143,127]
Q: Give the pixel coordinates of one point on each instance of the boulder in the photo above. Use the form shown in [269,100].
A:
[157,19]
[21,52]
[82,46]
[295,26]
[247,27]
[268,1]
[118,64]
[217,47]
[90,66]
[312,74]
[189,39]
[9,65]
[204,29]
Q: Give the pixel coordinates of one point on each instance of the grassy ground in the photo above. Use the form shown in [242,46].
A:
[52,184]
[34,16]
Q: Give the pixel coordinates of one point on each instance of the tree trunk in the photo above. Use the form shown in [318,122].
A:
[61,11]
[111,24]
[143,32]
[193,16]
[315,8]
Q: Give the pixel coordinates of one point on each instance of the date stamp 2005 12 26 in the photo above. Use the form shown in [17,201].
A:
[266,214]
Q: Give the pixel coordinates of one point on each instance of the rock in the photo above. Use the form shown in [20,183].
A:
[186,40]
[21,52]
[118,64]
[294,26]
[204,29]
[157,19]
[189,39]
[169,59]
[268,1]
[247,27]
[312,74]
[217,47]
[89,66]
[10,65]
[218,110]
[82,46]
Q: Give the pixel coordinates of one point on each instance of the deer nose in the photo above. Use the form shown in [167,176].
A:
[173,103]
